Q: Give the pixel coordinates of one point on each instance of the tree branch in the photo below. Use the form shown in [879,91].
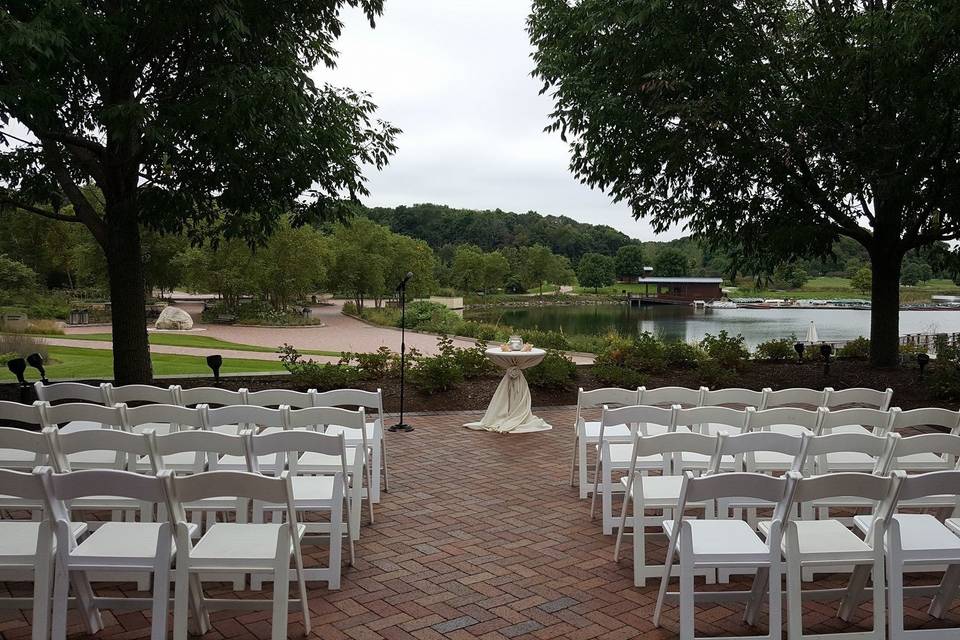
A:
[81,206]
[72,140]
[53,215]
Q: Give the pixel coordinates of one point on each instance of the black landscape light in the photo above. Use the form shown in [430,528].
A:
[799,347]
[922,361]
[35,360]
[17,366]
[215,362]
[826,351]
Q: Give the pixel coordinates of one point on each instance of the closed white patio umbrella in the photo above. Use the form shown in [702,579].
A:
[812,333]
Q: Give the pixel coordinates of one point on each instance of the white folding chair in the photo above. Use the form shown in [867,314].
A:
[229,547]
[864,422]
[95,418]
[859,397]
[827,544]
[709,544]
[733,398]
[140,547]
[74,392]
[142,394]
[616,456]
[311,493]
[661,493]
[232,419]
[372,437]
[797,397]
[708,421]
[587,432]
[316,418]
[916,542]
[275,398]
[26,549]
[931,446]
[924,419]
[787,420]
[213,397]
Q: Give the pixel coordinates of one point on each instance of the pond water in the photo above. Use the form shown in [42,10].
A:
[689,324]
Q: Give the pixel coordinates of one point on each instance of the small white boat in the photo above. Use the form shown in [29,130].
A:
[722,304]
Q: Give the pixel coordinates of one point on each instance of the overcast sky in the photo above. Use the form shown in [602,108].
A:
[455,76]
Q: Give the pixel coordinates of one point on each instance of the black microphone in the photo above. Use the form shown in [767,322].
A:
[403,283]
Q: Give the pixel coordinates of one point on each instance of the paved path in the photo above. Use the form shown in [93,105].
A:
[338,333]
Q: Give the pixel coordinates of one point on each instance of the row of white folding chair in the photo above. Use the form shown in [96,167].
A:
[373,435]
[164,548]
[588,432]
[893,543]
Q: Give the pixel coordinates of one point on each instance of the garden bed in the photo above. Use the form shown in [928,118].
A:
[909,391]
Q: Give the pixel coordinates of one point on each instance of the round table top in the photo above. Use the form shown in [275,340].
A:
[497,351]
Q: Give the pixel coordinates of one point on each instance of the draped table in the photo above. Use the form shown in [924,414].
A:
[509,410]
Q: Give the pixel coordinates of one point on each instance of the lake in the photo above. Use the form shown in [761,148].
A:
[689,324]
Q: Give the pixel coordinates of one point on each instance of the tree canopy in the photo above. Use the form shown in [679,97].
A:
[787,125]
[201,119]
[596,271]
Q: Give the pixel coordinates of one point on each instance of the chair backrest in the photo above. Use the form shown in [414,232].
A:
[740,398]
[319,418]
[279,397]
[368,400]
[879,447]
[54,415]
[682,396]
[26,415]
[246,416]
[226,484]
[140,394]
[71,391]
[696,416]
[844,485]
[875,420]
[22,449]
[667,444]
[736,485]
[937,443]
[935,483]
[609,396]
[178,417]
[291,444]
[123,443]
[931,416]
[744,446]
[61,487]
[785,416]
[21,484]
[795,397]
[860,396]
[213,396]
[206,444]
[637,418]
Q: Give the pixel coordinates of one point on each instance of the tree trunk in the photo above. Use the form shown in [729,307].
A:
[131,349]
[885,308]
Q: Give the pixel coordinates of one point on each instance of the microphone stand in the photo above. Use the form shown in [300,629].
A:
[402,289]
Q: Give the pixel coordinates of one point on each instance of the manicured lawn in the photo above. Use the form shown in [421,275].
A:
[78,362]
[192,340]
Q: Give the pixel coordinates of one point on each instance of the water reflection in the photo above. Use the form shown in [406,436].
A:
[686,323]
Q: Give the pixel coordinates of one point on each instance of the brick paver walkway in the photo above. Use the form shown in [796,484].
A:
[481,536]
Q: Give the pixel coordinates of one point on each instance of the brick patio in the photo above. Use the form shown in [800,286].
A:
[481,536]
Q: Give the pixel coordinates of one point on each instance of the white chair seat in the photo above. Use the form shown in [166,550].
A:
[693,460]
[825,538]
[591,431]
[352,436]
[922,536]
[657,490]
[180,461]
[160,428]
[926,461]
[19,537]
[711,429]
[119,542]
[98,458]
[312,489]
[789,429]
[240,544]
[850,461]
[724,540]
[850,428]
[80,425]
[17,459]
[773,460]
[620,458]
[313,460]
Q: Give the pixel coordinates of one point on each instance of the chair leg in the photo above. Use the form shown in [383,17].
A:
[336,544]
[369,486]
[375,463]
[583,481]
[41,597]
[639,545]
[161,598]
[879,598]
[61,591]
[776,612]
[855,587]
[794,600]
[281,594]
[573,461]
[181,597]
[895,595]
[686,592]
[948,587]
[760,582]
[386,471]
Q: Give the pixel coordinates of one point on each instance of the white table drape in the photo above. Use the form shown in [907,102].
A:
[509,409]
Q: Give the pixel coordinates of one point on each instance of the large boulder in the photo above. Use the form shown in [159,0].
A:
[175,319]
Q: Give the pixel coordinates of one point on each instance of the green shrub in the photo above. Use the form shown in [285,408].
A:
[715,374]
[945,350]
[545,339]
[682,355]
[350,308]
[22,344]
[370,366]
[441,372]
[856,348]
[309,373]
[614,376]
[725,350]
[555,371]
[473,362]
[7,357]
[944,380]
[776,350]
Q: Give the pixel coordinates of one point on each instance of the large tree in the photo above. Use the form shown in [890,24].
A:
[776,125]
[197,117]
